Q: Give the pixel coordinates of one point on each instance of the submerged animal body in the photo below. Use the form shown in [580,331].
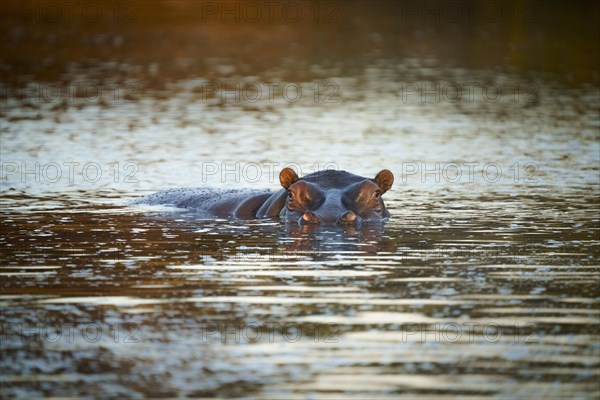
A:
[326,197]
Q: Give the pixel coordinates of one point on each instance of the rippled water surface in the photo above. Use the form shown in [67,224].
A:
[484,283]
[475,287]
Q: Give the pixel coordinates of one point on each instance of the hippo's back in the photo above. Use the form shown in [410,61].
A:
[219,202]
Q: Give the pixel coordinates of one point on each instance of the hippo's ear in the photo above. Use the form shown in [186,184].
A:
[287,176]
[384,180]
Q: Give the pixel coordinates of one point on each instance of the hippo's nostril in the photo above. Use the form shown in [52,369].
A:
[348,217]
[310,217]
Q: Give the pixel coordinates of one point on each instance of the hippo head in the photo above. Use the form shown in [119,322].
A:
[334,197]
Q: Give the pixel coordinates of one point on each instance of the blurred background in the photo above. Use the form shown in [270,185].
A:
[167,40]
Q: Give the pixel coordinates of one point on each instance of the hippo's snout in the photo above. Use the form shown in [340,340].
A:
[347,218]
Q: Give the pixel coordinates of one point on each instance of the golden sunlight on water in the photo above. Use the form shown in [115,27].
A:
[422,310]
[482,284]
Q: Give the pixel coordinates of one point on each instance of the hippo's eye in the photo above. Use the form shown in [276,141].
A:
[377,194]
[291,195]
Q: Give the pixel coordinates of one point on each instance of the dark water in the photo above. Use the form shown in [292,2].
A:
[463,297]
[483,283]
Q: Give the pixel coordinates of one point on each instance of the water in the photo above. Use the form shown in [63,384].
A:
[484,282]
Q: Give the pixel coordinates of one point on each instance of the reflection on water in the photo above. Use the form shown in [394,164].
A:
[484,282]
[115,301]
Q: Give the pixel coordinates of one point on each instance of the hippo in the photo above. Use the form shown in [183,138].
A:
[328,197]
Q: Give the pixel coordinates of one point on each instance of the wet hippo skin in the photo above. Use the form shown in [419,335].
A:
[326,197]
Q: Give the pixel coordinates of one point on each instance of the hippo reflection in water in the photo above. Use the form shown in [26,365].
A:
[326,197]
